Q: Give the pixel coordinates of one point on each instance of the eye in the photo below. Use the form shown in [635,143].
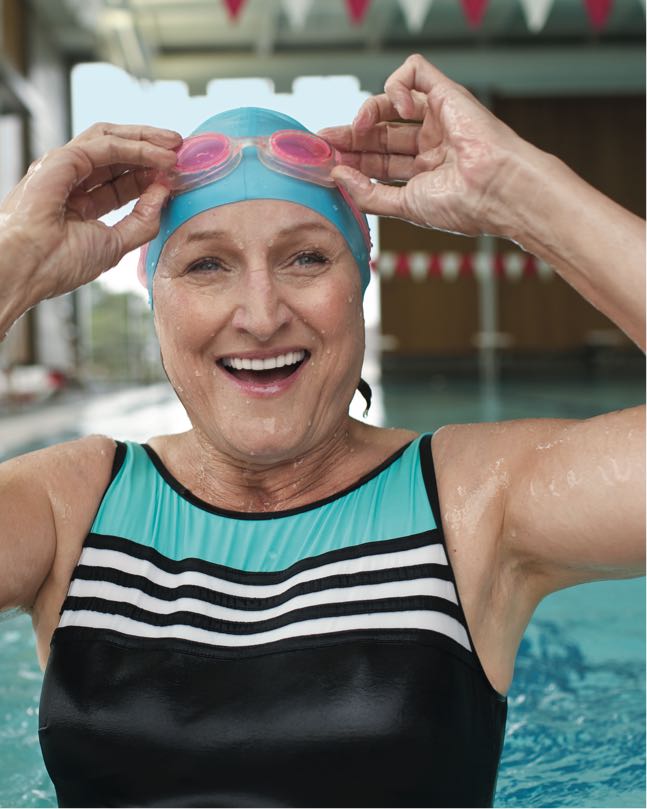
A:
[205,265]
[310,258]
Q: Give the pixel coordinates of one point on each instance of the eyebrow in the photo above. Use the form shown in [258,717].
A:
[209,235]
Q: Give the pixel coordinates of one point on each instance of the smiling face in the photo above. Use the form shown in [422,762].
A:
[258,310]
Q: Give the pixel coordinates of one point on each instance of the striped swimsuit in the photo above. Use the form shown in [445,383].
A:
[312,657]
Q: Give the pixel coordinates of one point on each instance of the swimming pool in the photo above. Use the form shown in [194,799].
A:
[576,725]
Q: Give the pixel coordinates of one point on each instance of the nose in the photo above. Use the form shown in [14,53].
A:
[260,310]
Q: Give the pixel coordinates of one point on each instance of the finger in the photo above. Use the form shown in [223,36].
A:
[167,138]
[380,166]
[104,174]
[139,226]
[416,73]
[111,196]
[111,150]
[56,175]
[388,138]
[376,198]
[380,108]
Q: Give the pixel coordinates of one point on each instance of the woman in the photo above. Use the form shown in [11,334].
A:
[284,606]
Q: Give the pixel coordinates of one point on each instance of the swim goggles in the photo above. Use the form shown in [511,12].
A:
[205,158]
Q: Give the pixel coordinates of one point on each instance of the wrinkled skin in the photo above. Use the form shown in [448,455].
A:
[53,213]
[253,285]
[453,153]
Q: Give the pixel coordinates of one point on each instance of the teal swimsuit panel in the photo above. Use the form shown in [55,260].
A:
[141,502]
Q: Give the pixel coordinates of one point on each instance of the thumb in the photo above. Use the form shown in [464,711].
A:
[376,198]
[142,223]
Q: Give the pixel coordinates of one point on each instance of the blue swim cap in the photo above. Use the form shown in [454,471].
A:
[252,180]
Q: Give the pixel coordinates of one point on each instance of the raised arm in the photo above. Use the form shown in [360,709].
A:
[51,242]
[569,496]
[466,172]
[51,239]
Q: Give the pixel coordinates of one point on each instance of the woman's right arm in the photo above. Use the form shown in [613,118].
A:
[51,242]
[48,500]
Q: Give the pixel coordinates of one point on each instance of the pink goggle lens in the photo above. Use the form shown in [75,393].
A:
[301,148]
[202,152]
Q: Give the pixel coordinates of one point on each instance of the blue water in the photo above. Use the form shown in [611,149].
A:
[576,723]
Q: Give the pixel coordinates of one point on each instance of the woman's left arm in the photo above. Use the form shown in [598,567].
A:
[573,492]
[574,507]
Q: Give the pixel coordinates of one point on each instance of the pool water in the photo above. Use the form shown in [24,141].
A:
[576,723]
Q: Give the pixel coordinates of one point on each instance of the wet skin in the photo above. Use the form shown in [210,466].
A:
[257,280]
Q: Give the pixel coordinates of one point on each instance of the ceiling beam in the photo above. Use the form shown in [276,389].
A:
[507,70]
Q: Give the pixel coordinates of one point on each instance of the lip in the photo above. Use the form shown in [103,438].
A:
[263,391]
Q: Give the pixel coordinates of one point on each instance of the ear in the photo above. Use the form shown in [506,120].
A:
[141,266]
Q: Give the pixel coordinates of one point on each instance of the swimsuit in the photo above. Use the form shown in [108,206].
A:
[311,657]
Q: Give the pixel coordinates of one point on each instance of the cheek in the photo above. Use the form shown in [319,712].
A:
[185,322]
[339,303]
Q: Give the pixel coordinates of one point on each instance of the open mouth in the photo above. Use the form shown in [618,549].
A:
[265,371]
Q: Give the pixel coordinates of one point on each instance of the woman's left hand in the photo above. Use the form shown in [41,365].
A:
[453,156]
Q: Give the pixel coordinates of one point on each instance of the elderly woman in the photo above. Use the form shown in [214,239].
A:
[284,606]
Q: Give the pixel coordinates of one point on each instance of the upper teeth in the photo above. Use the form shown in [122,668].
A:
[248,364]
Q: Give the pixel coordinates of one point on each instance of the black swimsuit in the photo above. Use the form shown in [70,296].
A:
[312,657]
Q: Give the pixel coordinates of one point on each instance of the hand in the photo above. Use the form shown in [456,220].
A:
[452,154]
[51,218]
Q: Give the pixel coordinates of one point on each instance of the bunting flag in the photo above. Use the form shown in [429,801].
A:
[415,12]
[419,267]
[598,11]
[536,12]
[297,12]
[474,11]
[357,10]
[234,7]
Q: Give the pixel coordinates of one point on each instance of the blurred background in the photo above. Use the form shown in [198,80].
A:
[459,329]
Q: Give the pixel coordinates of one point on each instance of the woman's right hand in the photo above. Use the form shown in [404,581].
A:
[50,220]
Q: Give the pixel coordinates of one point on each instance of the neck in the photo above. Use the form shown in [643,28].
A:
[218,478]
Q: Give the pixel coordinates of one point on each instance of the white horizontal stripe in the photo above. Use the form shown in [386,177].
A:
[428,554]
[336,595]
[413,619]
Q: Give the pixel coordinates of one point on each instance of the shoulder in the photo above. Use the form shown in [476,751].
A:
[73,465]
[476,450]
[83,465]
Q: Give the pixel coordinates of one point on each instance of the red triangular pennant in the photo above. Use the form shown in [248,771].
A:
[234,7]
[598,11]
[474,11]
[357,9]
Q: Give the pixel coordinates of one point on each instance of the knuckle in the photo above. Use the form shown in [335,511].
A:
[35,164]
